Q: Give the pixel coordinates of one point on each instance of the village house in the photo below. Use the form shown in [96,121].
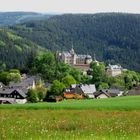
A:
[101,95]
[108,93]
[80,91]
[12,96]
[73,93]
[16,92]
[134,92]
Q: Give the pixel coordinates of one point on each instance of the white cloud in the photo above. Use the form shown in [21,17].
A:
[71,6]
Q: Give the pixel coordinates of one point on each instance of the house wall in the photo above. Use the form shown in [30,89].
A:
[73,96]
[90,96]
[101,96]
[69,95]
[16,95]
[114,72]
[121,93]
[21,101]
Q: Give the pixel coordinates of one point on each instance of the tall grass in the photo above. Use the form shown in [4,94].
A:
[72,120]
[69,125]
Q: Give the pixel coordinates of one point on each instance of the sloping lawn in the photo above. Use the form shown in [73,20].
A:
[119,103]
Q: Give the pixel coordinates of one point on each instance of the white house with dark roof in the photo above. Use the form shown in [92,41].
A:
[13,96]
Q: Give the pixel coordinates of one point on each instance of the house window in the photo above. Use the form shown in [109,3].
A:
[18,97]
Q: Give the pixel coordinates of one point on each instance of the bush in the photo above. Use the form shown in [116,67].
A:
[32,96]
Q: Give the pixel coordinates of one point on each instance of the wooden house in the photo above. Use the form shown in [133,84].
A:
[79,91]
[73,93]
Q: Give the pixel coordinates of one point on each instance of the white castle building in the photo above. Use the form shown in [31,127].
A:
[114,70]
[81,62]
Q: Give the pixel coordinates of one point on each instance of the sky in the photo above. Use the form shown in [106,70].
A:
[71,6]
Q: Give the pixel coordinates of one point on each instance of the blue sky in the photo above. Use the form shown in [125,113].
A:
[71,6]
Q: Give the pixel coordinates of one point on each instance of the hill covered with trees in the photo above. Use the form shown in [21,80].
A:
[11,18]
[15,51]
[113,37]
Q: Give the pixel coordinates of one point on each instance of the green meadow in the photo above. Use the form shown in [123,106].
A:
[125,103]
[102,119]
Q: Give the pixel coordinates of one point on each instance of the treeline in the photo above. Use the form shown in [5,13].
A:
[11,18]
[113,37]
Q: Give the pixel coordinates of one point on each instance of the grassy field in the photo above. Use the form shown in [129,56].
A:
[126,103]
[103,119]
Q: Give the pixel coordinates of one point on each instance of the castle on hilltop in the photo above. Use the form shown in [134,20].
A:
[78,61]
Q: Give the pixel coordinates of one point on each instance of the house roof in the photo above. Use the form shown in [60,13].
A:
[112,92]
[1,84]
[72,91]
[21,93]
[108,92]
[88,89]
[9,91]
[25,83]
[114,67]
[96,94]
[73,85]
[80,89]
[6,91]
[135,91]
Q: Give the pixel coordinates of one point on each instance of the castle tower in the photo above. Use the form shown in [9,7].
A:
[73,55]
[88,59]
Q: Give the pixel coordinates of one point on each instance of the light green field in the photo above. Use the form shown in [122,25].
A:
[126,103]
[103,119]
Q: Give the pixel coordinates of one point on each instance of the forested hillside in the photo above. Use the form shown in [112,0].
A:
[114,37]
[15,51]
